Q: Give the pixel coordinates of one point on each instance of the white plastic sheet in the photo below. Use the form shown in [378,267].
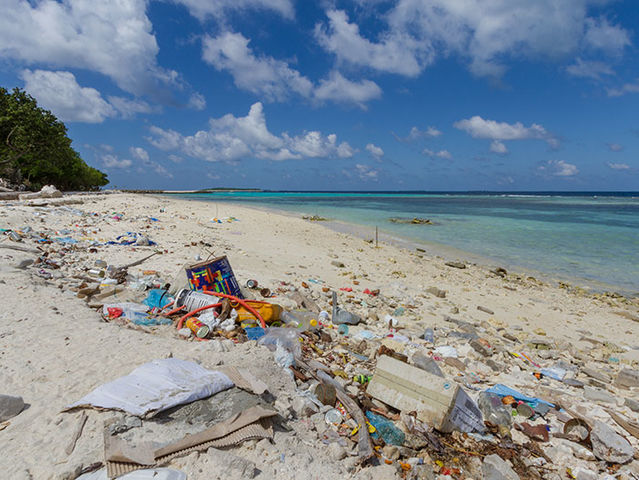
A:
[148,474]
[157,386]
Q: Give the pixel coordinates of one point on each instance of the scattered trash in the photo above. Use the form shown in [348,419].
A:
[377,381]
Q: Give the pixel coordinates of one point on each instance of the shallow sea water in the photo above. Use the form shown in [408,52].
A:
[591,237]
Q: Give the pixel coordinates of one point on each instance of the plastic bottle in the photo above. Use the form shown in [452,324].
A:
[495,412]
[386,429]
[429,335]
[301,320]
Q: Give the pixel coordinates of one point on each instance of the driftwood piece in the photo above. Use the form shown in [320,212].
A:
[20,248]
[364,444]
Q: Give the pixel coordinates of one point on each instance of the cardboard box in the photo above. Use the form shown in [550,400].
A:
[437,401]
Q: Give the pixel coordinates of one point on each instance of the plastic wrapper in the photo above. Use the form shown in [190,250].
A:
[286,338]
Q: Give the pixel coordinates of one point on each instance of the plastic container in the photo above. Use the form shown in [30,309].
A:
[429,335]
[301,320]
[270,312]
[494,411]
[385,429]
[193,300]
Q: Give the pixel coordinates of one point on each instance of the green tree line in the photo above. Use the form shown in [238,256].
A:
[35,149]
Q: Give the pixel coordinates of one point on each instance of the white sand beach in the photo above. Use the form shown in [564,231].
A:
[55,348]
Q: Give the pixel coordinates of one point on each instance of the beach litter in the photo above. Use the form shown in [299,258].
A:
[376,381]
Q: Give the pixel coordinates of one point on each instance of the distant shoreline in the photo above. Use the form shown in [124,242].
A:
[445,251]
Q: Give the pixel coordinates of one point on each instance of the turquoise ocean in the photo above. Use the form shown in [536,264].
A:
[590,238]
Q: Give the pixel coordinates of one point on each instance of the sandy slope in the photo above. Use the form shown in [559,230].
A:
[54,349]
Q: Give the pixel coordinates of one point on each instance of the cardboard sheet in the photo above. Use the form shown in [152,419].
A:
[253,423]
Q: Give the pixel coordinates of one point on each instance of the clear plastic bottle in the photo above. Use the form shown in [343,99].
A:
[429,335]
[495,412]
[302,320]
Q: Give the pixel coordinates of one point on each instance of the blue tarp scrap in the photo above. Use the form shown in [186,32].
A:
[504,391]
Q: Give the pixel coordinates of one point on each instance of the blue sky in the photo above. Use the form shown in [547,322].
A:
[338,95]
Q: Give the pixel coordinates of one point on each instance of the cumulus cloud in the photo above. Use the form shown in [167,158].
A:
[130,107]
[477,127]
[111,38]
[440,154]
[488,36]
[365,172]
[113,161]
[415,133]
[618,166]
[341,90]
[396,53]
[154,166]
[274,79]
[589,69]
[601,35]
[558,168]
[139,153]
[231,138]
[61,93]
[197,101]
[374,150]
[218,8]
[498,147]
[261,75]
[164,139]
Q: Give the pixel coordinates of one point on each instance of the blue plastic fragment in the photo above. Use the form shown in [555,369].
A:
[386,429]
[504,391]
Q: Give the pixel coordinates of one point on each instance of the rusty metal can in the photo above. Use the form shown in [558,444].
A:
[251,283]
[201,330]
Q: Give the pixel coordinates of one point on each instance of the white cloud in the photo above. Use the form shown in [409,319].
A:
[416,133]
[396,53]
[589,69]
[440,154]
[477,127]
[498,147]
[487,33]
[156,167]
[275,80]
[615,147]
[164,139]
[113,161]
[217,8]
[112,38]
[265,76]
[374,150]
[175,158]
[341,90]
[559,168]
[618,166]
[230,138]
[129,107]
[314,145]
[197,101]
[61,93]
[601,35]
[365,172]
[139,153]
[626,88]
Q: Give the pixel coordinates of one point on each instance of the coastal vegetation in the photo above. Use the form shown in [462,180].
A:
[35,149]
